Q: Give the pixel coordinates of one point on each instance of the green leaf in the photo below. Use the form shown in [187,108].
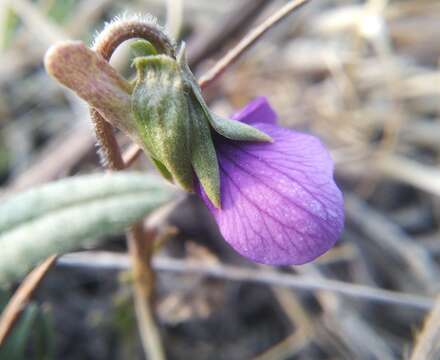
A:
[68,214]
[44,335]
[161,112]
[15,345]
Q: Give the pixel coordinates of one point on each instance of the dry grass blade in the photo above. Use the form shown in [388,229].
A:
[301,322]
[424,177]
[391,236]
[22,296]
[427,346]
[287,347]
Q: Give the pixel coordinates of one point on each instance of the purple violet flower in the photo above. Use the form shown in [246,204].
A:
[273,193]
[280,204]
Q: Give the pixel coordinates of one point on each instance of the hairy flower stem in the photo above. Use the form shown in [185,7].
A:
[106,43]
[140,246]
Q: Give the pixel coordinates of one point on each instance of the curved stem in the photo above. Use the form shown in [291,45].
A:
[108,146]
[140,247]
[119,31]
[105,44]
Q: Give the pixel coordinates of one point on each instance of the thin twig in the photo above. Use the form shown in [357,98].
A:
[16,304]
[248,41]
[105,260]
[204,45]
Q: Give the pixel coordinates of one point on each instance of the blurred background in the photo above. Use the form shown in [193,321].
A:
[362,75]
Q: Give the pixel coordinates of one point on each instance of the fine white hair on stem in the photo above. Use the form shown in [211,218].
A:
[129,19]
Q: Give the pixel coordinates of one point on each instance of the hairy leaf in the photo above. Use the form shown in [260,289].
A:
[68,214]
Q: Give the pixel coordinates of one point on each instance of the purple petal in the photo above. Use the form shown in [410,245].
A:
[280,204]
[257,111]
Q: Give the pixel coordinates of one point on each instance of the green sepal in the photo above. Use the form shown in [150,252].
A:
[142,47]
[203,155]
[230,129]
[162,169]
[236,130]
[160,109]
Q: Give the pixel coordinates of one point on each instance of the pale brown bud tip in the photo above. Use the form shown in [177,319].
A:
[92,78]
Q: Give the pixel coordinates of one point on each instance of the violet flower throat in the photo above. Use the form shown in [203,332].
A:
[270,189]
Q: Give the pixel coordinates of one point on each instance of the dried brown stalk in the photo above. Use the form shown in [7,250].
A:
[140,247]
[427,346]
[12,311]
